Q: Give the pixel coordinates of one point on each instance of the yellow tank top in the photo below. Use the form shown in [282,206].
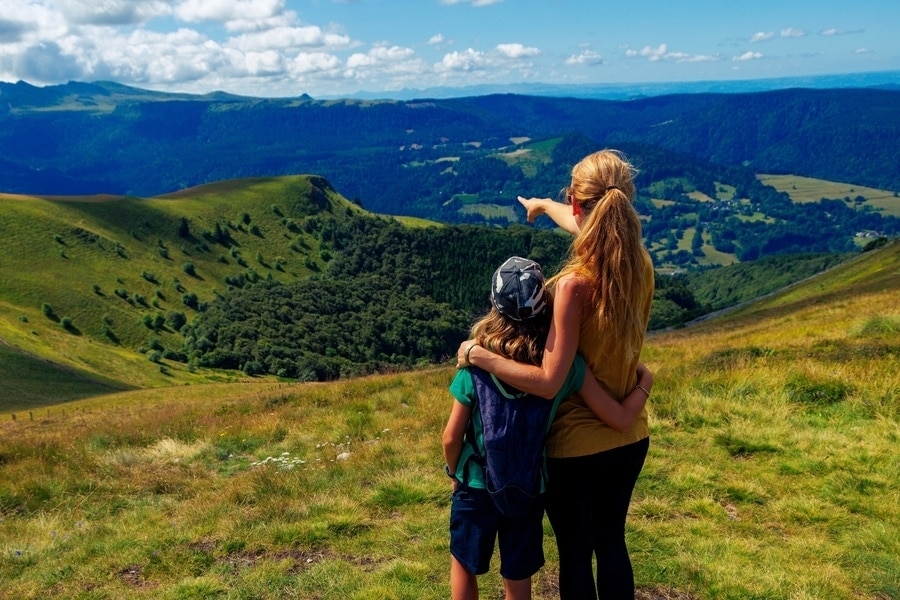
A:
[576,431]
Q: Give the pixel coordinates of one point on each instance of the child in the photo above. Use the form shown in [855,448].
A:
[516,327]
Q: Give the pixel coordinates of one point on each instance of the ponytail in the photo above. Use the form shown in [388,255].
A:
[609,251]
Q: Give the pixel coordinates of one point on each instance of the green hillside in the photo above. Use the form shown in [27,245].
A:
[89,280]
[772,472]
[107,287]
[110,293]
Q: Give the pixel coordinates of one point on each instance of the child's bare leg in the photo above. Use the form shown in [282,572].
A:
[463,585]
[517,589]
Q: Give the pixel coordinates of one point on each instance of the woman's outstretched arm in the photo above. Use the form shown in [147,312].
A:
[562,343]
[560,213]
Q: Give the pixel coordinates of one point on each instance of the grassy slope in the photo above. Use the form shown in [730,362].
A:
[807,189]
[56,250]
[772,472]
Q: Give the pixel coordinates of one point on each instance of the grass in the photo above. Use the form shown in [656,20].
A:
[807,189]
[772,472]
[105,264]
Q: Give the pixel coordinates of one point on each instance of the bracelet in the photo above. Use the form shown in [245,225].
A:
[449,473]
[469,351]
[642,388]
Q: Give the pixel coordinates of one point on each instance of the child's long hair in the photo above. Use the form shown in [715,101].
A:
[522,341]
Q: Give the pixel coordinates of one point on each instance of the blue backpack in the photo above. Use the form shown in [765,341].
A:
[513,435]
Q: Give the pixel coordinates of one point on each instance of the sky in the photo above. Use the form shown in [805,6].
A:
[327,48]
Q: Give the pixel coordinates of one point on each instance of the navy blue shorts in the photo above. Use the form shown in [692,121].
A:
[474,525]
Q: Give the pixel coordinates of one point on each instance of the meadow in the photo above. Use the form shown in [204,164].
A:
[772,472]
[809,189]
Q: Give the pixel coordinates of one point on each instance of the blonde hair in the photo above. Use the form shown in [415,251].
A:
[609,251]
[522,341]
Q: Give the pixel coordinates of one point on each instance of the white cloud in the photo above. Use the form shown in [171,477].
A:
[790,32]
[315,62]
[862,51]
[833,32]
[238,15]
[469,60]
[662,53]
[652,54]
[587,57]
[288,38]
[196,11]
[379,56]
[761,37]
[517,51]
[436,39]
[748,56]
[112,12]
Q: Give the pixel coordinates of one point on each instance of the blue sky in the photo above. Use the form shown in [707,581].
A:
[273,48]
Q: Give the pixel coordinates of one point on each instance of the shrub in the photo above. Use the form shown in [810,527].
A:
[154,356]
[47,310]
[184,228]
[66,323]
[189,268]
[97,289]
[176,320]
[190,300]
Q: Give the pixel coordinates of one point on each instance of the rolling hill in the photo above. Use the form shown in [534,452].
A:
[271,277]
[772,472]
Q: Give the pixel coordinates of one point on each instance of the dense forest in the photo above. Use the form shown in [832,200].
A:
[391,296]
[395,297]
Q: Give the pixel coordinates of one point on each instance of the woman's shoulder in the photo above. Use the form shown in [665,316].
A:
[574,284]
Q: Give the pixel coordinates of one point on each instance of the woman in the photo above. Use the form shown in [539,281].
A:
[602,300]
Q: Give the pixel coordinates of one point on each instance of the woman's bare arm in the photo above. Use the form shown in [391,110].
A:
[562,343]
[560,213]
[618,415]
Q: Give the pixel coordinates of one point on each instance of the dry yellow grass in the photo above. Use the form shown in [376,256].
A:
[772,472]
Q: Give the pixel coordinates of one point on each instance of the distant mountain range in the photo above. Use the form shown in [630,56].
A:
[414,156]
[626,91]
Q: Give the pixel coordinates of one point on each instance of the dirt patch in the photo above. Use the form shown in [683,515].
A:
[133,576]
[299,560]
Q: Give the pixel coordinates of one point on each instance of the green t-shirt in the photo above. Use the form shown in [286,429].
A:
[463,389]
